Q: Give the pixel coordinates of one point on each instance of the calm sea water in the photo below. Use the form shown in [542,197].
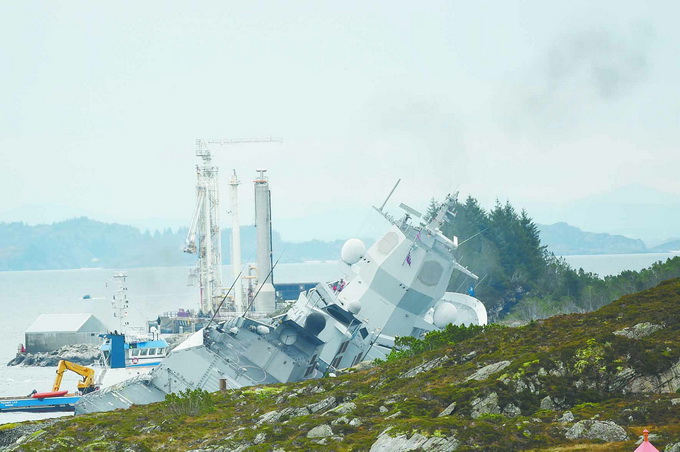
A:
[26,295]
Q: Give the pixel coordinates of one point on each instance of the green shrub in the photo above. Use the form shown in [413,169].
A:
[409,346]
[192,403]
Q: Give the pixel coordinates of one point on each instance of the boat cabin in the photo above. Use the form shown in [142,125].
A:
[139,353]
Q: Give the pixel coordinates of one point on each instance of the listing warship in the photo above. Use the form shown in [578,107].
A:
[395,288]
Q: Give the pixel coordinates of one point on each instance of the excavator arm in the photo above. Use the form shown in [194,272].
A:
[85,385]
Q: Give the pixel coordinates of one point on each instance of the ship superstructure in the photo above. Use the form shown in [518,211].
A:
[395,288]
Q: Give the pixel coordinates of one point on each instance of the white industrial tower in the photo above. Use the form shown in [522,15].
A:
[204,237]
[205,224]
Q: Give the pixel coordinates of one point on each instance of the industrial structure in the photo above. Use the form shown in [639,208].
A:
[205,238]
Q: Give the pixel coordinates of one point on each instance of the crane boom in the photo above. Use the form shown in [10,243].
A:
[85,385]
[190,243]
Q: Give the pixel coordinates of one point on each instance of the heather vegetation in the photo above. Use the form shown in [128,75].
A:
[190,402]
[520,278]
[571,382]
[452,334]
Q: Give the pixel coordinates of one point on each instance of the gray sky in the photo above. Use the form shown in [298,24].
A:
[538,102]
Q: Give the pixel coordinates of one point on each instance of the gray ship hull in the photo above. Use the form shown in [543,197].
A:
[395,288]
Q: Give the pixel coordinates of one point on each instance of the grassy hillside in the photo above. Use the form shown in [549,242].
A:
[564,383]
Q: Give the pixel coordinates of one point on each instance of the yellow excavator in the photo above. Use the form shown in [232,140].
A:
[85,385]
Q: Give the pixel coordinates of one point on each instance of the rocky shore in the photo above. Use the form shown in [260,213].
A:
[83,354]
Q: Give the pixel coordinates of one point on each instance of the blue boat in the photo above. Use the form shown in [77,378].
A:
[45,405]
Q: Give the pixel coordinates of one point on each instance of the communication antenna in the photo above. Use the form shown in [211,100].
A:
[411,211]
[390,195]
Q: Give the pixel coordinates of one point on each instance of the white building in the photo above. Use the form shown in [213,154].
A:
[51,331]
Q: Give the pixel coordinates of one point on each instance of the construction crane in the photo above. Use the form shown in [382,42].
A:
[204,237]
[84,386]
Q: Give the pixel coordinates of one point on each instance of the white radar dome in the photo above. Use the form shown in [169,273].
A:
[353,306]
[262,330]
[444,314]
[352,251]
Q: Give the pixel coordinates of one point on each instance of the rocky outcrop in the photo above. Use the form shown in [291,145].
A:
[485,405]
[607,431]
[629,381]
[437,362]
[343,408]
[511,410]
[639,331]
[320,431]
[271,417]
[568,416]
[448,410]
[325,404]
[399,443]
[674,447]
[13,437]
[486,371]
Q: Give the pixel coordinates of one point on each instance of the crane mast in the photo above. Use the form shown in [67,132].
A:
[204,237]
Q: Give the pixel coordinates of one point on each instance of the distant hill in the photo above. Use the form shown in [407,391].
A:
[633,210]
[670,246]
[563,239]
[86,243]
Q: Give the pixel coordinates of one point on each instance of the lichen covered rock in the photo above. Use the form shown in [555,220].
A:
[639,331]
[607,431]
[485,405]
[320,431]
[486,371]
[399,443]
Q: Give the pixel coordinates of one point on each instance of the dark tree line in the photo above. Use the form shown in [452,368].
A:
[519,275]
